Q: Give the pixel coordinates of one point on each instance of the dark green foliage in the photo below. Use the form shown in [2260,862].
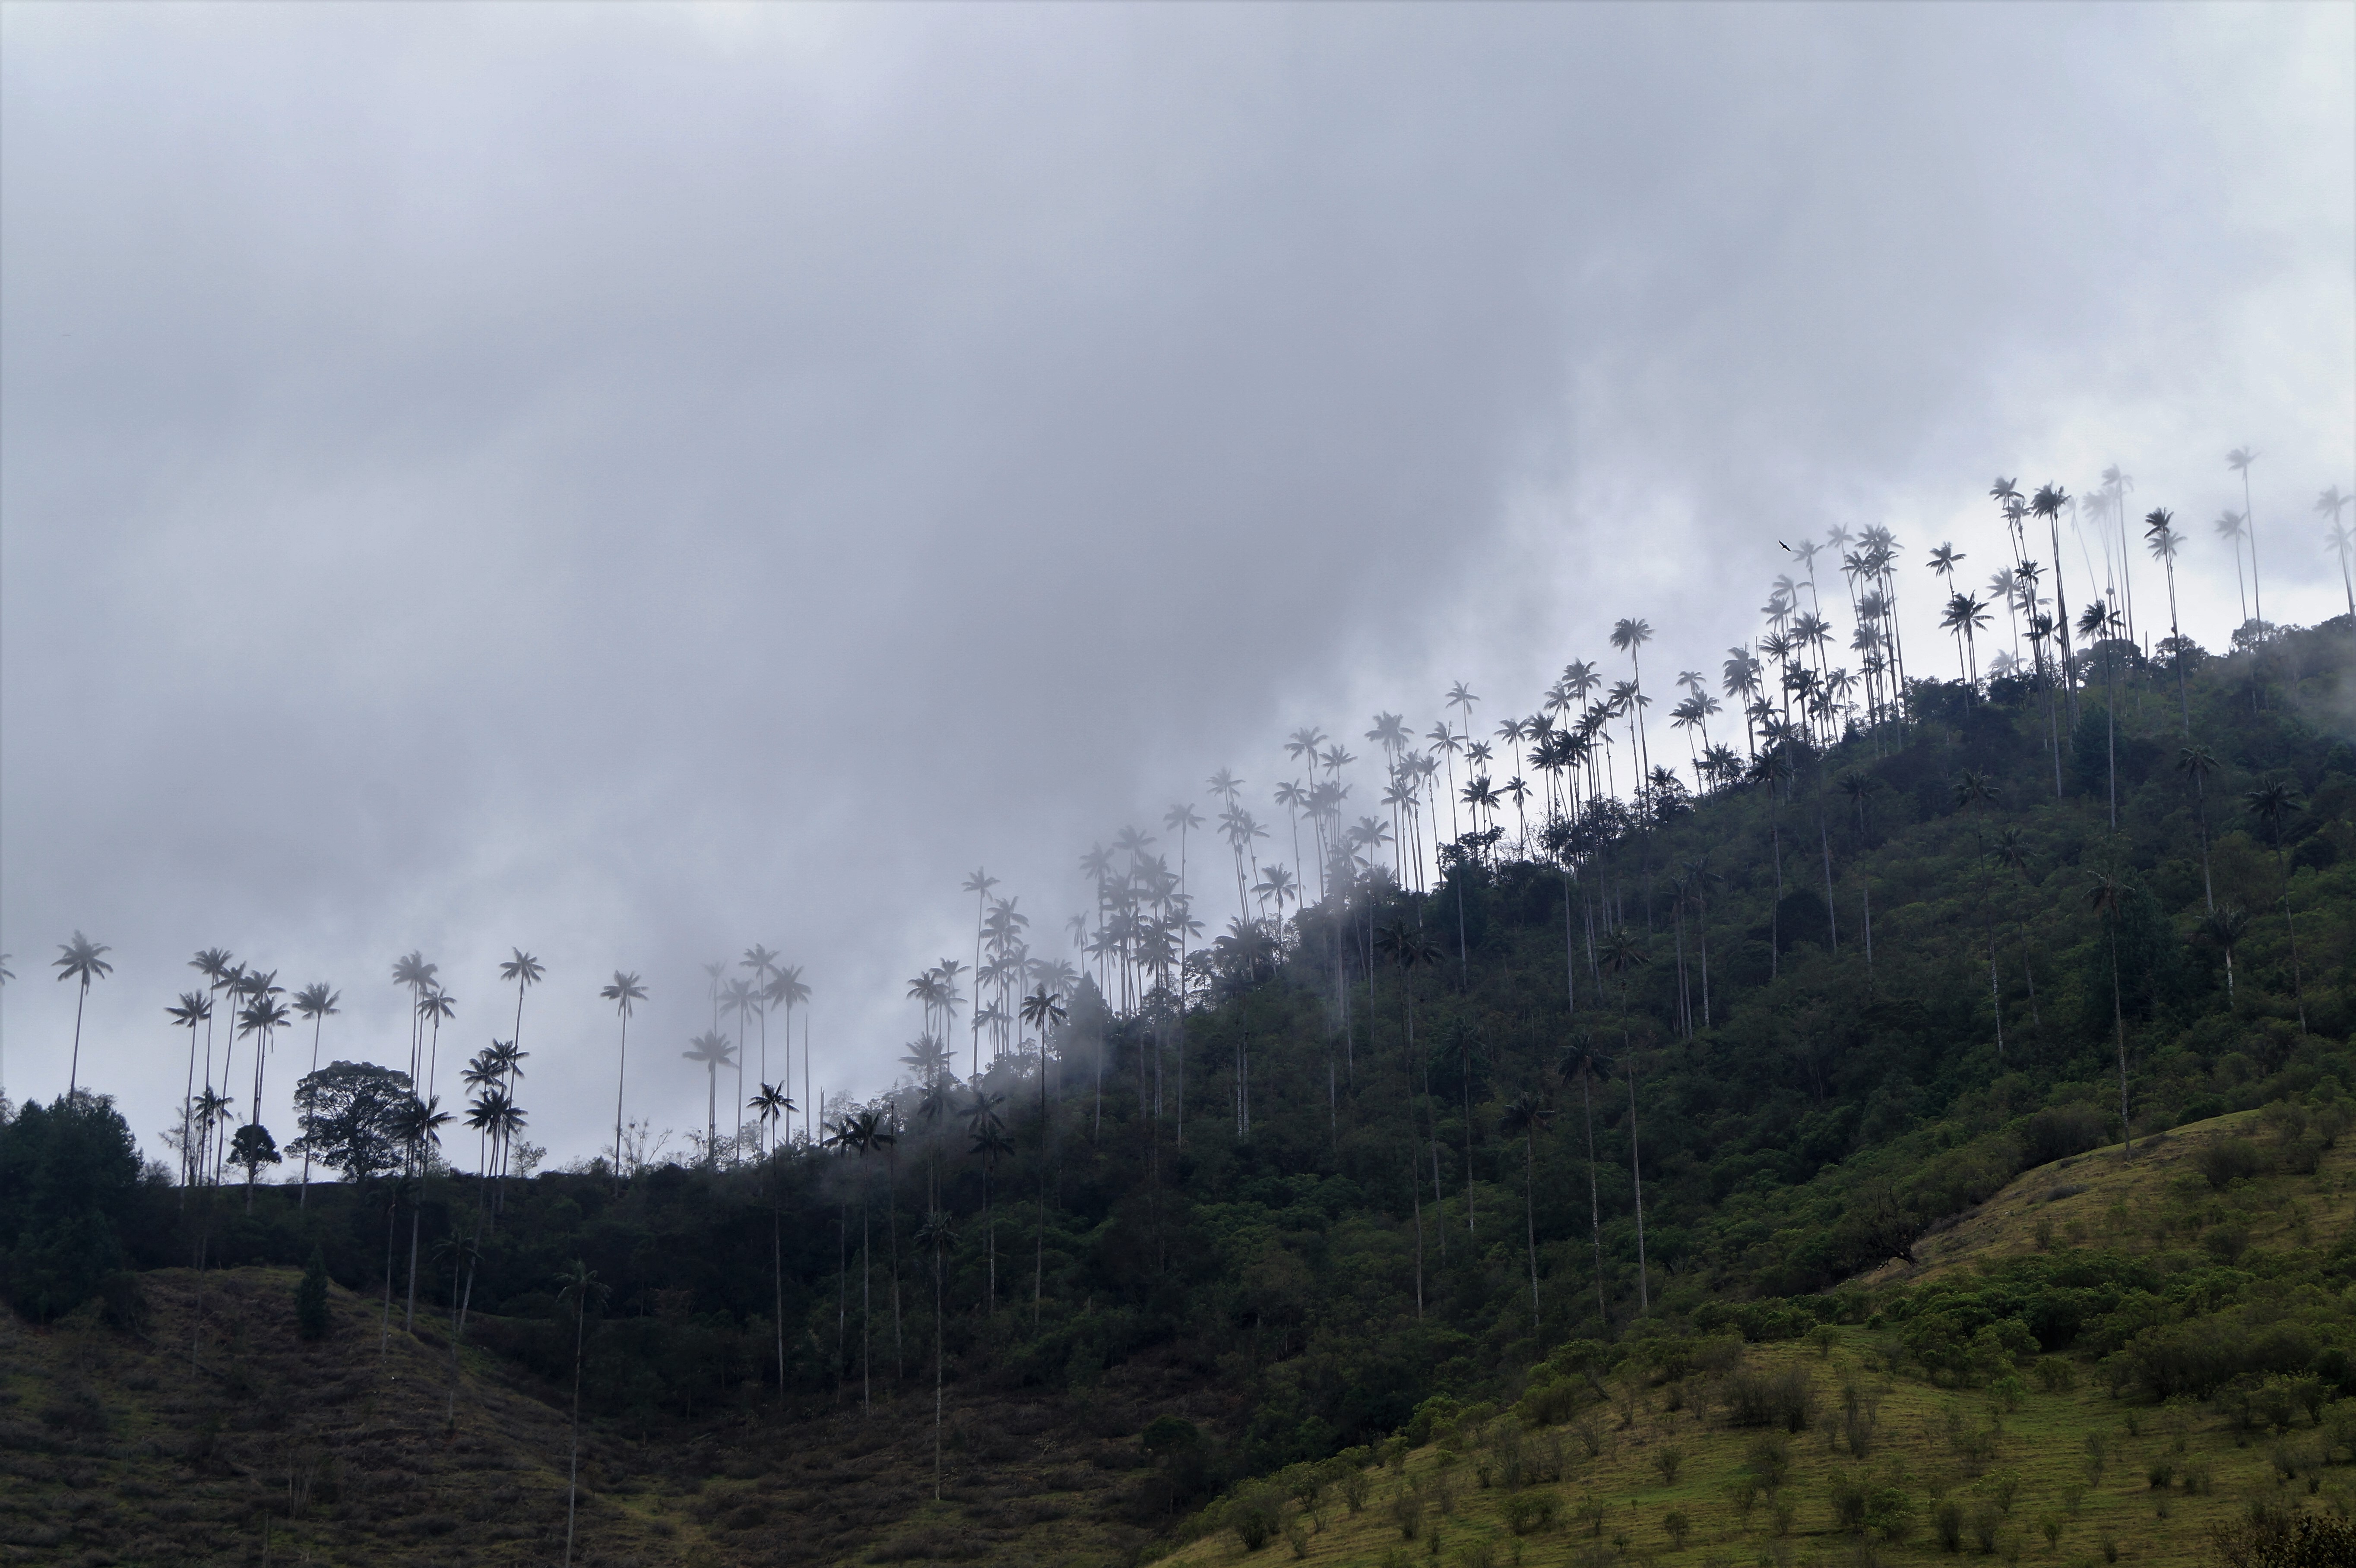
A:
[69,1171]
[2273,1538]
[350,1111]
[1784,1398]
[311,1299]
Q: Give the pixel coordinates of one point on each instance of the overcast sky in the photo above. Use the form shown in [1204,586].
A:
[635,481]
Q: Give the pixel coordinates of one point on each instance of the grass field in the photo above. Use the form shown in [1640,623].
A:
[1654,1470]
[222,1438]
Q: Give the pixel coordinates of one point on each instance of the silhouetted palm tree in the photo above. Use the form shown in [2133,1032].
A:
[624,992]
[2226,927]
[1621,955]
[194,1008]
[711,1051]
[937,1235]
[436,1006]
[2230,527]
[1580,1059]
[2197,763]
[1970,791]
[80,961]
[2338,540]
[2239,460]
[316,1003]
[263,1018]
[2104,895]
[787,990]
[768,1105]
[2162,541]
[1528,1115]
[420,1127]
[1042,1010]
[2272,803]
[989,1141]
[577,1286]
[1409,947]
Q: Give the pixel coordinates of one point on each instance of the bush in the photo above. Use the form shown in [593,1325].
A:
[1669,1459]
[1406,1512]
[1678,1526]
[1784,1398]
[2228,1160]
[1768,1462]
[1947,1524]
[2273,1538]
[1255,1514]
[1529,1512]
[2059,1131]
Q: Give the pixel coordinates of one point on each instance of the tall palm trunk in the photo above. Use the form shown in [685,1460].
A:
[1636,1165]
[572,1478]
[1594,1198]
[1530,1219]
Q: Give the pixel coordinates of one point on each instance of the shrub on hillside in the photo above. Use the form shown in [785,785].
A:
[2057,1132]
[1785,1397]
[2272,1537]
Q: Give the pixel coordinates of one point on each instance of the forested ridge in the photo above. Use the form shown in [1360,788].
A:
[1687,1064]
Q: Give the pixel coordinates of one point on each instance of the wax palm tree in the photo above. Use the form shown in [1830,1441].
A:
[865,1133]
[2011,852]
[624,992]
[1528,1115]
[1973,791]
[1965,618]
[2163,541]
[1582,1060]
[2099,624]
[1629,634]
[2106,895]
[213,1111]
[764,967]
[767,1106]
[2272,804]
[2338,540]
[2048,503]
[1042,1010]
[2231,527]
[711,1051]
[80,961]
[420,1129]
[411,970]
[787,990]
[437,1006]
[739,996]
[316,1003]
[1410,947]
[263,1018]
[937,1235]
[2226,927]
[2197,763]
[194,1008]
[1620,956]
[989,1141]
[2239,460]
[577,1288]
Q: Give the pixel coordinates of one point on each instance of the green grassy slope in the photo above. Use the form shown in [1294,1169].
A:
[2043,1457]
[115,1448]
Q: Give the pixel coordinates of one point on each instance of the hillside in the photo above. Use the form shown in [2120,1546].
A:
[1689,1445]
[1858,1017]
[352,1450]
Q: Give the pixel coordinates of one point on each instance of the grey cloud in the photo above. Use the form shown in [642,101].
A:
[635,483]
